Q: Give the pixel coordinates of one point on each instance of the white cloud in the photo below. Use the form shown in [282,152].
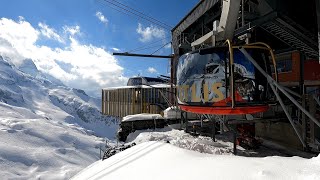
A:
[149,33]
[115,49]
[16,38]
[21,18]
[101,17]
[48,32]
[82,66]
[152,70]
[72,30]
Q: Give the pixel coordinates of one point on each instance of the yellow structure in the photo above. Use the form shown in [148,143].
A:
[128,100]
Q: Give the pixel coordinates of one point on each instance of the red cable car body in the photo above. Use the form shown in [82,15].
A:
[222,81]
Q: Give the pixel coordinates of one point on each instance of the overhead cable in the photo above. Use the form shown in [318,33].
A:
[138,14]
[160,48]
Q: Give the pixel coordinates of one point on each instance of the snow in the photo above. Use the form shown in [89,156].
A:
[143,116]
[183,140]
[160,160]
[37,148]
[48,130]
[172,112]
[173,154]
[51,131]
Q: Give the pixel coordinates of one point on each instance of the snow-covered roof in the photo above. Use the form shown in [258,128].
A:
[143,116]
[172,112]
[139,86]
[144,80]
[172,108]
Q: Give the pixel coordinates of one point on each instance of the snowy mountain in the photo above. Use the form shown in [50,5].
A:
[48,130]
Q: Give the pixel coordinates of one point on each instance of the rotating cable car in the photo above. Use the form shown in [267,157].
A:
[222,81]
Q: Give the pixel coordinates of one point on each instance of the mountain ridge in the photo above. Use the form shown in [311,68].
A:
[48,130]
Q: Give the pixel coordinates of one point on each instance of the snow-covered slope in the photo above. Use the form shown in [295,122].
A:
[48,130]
[162,161]
[173,154]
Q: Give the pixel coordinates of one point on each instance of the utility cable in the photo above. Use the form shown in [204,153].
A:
[138,48]
[160,48]
[144,48]
[134,13]
[118,10]
[144,14]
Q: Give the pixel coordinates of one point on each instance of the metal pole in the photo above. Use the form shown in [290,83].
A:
[297,104]
[186,121]
[304,119]
[318,15]
[272,83]
[222,124]
[292,92]
[316,99]
[171,79]
[213,128]
[287,113]
[242,13]
[181,120]
[231,69]
[271,80]
[301,78]
[235,139]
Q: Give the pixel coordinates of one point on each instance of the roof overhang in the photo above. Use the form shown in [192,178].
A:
[199,10]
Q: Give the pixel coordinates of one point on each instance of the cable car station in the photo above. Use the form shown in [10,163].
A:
[246,66]
[234,58]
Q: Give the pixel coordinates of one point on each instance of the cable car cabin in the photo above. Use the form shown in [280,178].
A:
[215,81]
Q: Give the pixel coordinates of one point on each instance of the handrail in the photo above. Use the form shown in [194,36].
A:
[250,47]
[272,56]
[256,45]
[273,85]
[231,73]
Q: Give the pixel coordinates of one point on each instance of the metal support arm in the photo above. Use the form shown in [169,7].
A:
[273,83]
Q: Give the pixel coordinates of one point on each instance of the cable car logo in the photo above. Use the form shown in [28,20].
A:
[185,91]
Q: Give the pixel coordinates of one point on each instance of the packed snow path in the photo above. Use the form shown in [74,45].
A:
[173,154]
[162,161]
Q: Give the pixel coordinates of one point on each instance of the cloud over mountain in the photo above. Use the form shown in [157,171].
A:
[83,66]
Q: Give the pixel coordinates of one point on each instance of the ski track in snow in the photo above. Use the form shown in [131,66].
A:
[161,161]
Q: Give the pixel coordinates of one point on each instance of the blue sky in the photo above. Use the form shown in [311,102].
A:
[73,39]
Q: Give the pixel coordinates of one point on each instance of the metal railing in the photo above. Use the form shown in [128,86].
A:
[274,84]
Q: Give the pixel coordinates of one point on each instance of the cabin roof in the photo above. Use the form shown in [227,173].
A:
[139,86]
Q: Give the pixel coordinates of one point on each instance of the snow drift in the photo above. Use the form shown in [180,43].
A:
[159,160]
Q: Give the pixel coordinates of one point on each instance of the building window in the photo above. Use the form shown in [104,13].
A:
[135,82]
[284,63]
